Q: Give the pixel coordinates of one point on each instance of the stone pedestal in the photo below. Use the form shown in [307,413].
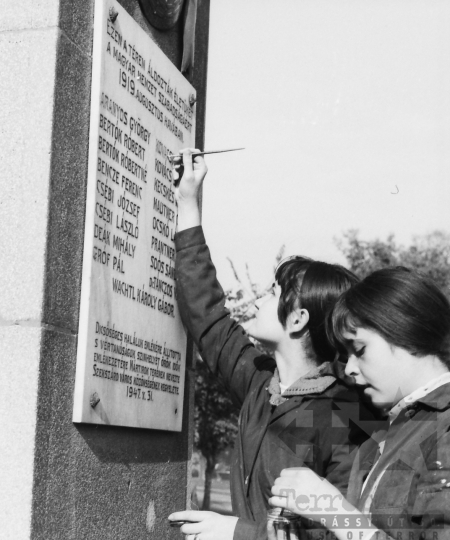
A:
[60,480]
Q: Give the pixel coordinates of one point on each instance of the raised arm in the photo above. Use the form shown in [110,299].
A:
[188,186]
[201,300]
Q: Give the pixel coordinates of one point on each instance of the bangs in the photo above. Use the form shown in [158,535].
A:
[286,277]
[287,269]
[341,322]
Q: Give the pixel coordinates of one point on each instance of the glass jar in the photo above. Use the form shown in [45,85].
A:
[283,525]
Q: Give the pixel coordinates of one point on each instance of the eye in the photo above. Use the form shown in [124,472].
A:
[359,352]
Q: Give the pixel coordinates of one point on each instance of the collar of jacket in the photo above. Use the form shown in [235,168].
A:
[438,399]
[316,381]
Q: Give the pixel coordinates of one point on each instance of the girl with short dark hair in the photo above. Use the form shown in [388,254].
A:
[395,326]
[296,406]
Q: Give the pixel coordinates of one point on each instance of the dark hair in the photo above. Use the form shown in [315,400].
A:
[405,308]
[314,286]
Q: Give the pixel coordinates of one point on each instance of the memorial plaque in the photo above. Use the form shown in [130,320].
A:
[131,342]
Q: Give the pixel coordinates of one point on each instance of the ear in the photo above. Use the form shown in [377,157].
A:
[297,320]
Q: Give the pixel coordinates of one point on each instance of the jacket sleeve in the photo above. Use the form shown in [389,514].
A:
[352,423]
[431,509]
[249,530]
[221,342]
[428,511]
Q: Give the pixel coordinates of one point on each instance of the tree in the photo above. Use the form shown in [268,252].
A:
[364,257]
[216,420]
[216,416]
[428,254]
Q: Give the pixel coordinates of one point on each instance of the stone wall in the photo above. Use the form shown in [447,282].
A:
[60,480]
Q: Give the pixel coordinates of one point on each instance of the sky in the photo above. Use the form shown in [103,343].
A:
[343,107]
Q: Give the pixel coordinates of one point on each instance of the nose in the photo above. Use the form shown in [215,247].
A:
[351,368]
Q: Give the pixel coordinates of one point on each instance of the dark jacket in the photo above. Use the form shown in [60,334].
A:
[312,429]
[413,495]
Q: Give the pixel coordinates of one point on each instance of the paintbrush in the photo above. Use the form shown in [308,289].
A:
[207,152]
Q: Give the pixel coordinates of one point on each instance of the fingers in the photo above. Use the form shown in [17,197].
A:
[295,471]
[177,169]
[188,515]
[189,166]
[190,528]
[286,490]
[280,502]
[297,476]
[187,160]
[287,482]
[196,519]
[291,483]
[199,163]
[190,163]
[192,517]
[196,162]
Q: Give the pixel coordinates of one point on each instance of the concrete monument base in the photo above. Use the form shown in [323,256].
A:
[63,480]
